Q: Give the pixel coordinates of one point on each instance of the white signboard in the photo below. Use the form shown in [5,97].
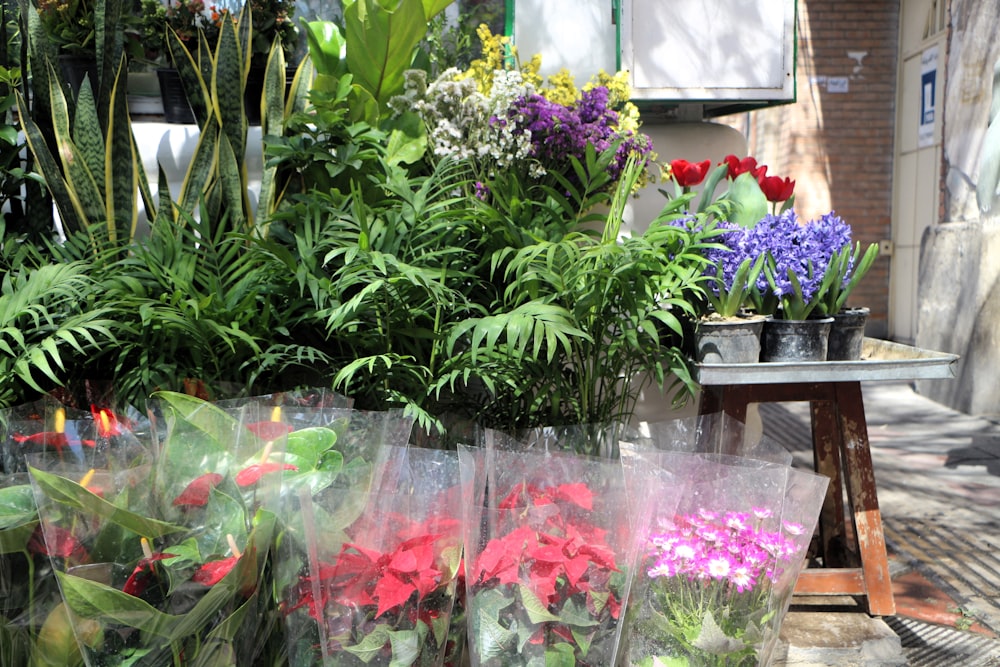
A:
[928,94]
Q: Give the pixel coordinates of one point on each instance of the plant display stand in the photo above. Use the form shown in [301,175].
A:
[853,555]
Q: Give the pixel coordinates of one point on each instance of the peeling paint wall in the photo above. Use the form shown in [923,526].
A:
[959,285]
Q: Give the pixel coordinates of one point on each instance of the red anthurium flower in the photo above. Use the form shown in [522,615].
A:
[58,542]
[776,188]
[269,430]
[107,422]
[213,571]
[143,574]
[53,439]
[252,473]
[196,493]
[739,166]
[689,173]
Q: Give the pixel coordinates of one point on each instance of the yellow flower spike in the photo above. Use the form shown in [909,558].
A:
[276,413]
[232,545]
[147,550]
[87,478]
[60,420]
[562,88]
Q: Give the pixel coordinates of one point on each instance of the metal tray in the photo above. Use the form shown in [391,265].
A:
[880,360]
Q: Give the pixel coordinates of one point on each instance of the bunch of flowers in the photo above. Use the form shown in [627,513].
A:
[155,560]
[548,552]
[496,117]
[378,578]
[711,575]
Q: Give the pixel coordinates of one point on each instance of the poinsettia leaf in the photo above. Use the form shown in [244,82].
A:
[70,494]
[575,614]
[17,506]
[369,647]
[537,612]
[583,640]
[494,639]
[405,647]
[560,655]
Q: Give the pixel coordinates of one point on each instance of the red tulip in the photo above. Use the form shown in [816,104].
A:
[776,188]
[739,166]
[196,493]
[689,173]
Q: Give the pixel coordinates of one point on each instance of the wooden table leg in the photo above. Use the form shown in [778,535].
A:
[863,500]
[827,461]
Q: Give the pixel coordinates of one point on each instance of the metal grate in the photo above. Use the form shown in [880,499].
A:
[929,645]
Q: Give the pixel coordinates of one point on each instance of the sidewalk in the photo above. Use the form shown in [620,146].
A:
[938,478]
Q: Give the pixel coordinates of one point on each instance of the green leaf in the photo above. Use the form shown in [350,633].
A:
[327,47]
[381,43]
[560,655]
[535,608]
[749,199]
[70,494]
[17,506]
[405,647]
[493,639]
[90,599]
[369,647]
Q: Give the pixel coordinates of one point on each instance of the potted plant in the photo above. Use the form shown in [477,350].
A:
[69,26]
[847,266]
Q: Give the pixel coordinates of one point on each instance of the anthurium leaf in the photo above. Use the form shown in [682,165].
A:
[70,494]
[94,600]
[537,612]
[305,446]
[17,506]
[434,7]
[493,639]
[15,539]
[215,423]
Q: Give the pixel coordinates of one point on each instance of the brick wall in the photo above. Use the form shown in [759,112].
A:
[836,141]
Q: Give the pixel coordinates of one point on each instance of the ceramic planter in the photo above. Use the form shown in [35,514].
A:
[795,340]
[847,333]
[734,340]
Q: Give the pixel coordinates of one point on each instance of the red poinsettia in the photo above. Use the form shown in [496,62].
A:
[368,577]
[687,173]
[560,557]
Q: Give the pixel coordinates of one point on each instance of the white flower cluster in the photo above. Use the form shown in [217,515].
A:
[463,123]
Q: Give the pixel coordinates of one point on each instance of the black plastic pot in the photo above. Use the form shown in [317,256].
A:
[176,108]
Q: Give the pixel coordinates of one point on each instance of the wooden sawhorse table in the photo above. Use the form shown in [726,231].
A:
[854,558]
